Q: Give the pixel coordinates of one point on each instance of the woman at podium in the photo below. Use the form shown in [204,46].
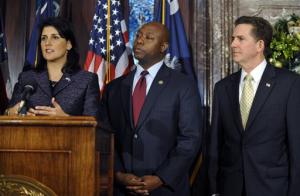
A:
[56,86]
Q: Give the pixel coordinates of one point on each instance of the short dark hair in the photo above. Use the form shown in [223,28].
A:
[65,30]
[262,29]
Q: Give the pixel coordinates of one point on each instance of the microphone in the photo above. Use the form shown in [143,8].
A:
[27,92]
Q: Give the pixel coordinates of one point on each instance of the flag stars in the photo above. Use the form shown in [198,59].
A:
[105,6]
[118,32]
[91,42]
[103,50]
[119,42]
[113,57]
[116,22]
[100,30]
[102,40]
[112,47]
[99,34]
[115,12]
[95,17]
[107,39]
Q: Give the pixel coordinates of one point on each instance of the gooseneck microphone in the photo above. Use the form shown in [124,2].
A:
[27,92]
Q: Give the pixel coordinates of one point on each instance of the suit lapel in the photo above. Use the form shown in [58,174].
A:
[65,81]
[43,82]
[233,93]
[159,83]
[263,91]
[126,97]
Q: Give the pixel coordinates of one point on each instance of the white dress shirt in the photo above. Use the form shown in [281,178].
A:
[256,73]
[149,77]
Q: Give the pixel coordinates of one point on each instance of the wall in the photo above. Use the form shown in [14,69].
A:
[221,14]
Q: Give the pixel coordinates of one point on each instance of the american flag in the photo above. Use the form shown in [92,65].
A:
[109,54]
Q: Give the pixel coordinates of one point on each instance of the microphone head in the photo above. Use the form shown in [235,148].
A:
[28,87]
[28,90]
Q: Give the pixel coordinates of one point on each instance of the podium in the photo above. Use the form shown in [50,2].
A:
[60,152]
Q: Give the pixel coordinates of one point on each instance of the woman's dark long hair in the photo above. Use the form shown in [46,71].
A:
[65,30]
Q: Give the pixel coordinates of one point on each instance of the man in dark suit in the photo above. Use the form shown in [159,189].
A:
[255,136]
[157,136]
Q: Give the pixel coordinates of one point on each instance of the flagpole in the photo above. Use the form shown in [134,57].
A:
[163,13]
[196,169]
[35,60]
[108,43]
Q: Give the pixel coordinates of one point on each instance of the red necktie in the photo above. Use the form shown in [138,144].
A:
[138,96]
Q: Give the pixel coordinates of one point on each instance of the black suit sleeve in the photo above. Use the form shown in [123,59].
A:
[293,130]
[215,143]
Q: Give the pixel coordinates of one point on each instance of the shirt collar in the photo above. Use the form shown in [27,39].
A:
[152,70]
[257,72]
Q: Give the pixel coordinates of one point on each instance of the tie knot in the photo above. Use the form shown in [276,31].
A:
[248,78]
[144,73]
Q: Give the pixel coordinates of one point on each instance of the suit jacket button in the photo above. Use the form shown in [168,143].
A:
[135,136]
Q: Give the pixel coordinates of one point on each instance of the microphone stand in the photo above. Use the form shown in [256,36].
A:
[22,111]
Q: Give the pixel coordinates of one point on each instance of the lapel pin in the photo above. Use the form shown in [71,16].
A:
[160,82]
[68,79]
[268,85]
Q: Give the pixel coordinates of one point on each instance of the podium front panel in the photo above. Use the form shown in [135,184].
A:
[58,152]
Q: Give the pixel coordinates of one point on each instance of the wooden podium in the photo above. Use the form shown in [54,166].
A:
[60,152]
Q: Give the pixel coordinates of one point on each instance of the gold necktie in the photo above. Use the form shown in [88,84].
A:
[246,99]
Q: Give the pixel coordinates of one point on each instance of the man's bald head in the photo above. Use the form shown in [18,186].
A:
[161,28]
[151,44]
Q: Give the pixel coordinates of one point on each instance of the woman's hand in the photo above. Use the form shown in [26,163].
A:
[56,110]
[13,110]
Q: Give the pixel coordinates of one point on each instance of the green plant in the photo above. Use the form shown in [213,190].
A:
[285,45]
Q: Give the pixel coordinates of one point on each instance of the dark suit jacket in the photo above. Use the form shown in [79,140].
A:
[77,94]
[266,155]
[168,134]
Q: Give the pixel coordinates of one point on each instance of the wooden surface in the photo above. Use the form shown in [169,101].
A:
[104,158]
[23,185]
[58,152]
